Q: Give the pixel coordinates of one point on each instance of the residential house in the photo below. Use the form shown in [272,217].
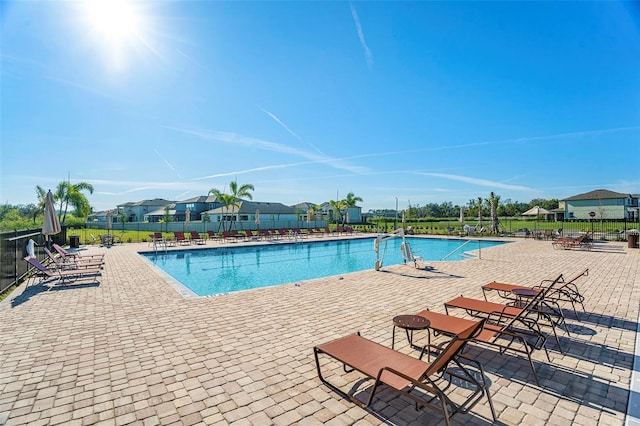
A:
[350,215]
[101,217]
[196,206]
[601,204]
[136,211]
[158,215]
[247,213]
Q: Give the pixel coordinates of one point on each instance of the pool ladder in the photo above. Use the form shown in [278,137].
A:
[163,242]
[464,244]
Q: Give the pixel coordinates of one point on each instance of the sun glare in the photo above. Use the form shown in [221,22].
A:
[117,25]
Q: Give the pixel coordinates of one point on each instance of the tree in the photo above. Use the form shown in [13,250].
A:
[205,219]
[338,206]
[494,201]
[41,193]
[166,217]
[232,199]
[68,193]
[312,210]
[352,199]
[122,218]
[477,205]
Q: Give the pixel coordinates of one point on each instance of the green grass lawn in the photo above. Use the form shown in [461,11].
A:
[452,226]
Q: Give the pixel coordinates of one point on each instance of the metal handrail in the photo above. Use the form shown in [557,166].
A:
[456,249]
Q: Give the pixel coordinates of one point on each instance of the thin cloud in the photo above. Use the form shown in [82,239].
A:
[500,142]
[367,52]
[234,138]
[478,182]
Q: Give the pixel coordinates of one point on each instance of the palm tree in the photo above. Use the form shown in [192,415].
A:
[479,203]
[494,201]
[68,193]
[352,199]
[312,210]
[42,196]
[338,206]
[232,199]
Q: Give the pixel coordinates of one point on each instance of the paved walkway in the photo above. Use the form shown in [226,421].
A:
[131,350]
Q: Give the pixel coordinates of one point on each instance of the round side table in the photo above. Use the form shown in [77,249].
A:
[409,323]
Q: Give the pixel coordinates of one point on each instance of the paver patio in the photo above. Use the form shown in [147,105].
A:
[131,350]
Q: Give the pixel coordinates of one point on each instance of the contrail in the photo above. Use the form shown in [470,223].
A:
[367,53]
[168,164]
[277,120]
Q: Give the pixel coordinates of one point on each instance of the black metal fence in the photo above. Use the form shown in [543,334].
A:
[606,230]
[13,248]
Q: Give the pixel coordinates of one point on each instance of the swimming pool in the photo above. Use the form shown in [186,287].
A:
[212,271]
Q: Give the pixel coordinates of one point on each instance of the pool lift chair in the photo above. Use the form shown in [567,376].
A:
[405,248]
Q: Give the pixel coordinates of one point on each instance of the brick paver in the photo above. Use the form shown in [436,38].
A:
[132,350]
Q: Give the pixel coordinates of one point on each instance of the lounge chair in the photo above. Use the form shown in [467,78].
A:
[63,275]
[416,379]
[582,242]
[196,238]
[62,263]
[212,235]
[528,313]
[71,255]
[566,291]
[181,239]
[503,336]
[230,235]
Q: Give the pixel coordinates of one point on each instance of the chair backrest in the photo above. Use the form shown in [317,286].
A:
[407,253]
[34,262]
[179,235]
[563,284]
[60,250]
[454,347]
[54,259]
[533,301]
[195,235]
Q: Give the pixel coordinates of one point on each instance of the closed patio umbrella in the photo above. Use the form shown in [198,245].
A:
[461,215]
[107,239]
[187,218]
[51,224]
[258,218]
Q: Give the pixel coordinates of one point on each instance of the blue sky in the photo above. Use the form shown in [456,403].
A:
[423,102]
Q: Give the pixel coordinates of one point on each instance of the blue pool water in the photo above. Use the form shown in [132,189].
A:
[227,269]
